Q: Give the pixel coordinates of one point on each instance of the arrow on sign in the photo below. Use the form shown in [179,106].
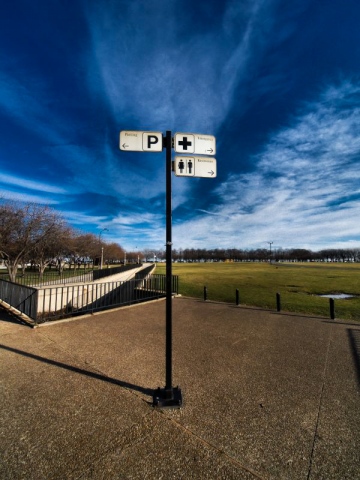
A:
[211,173]
[194,143]
[139,141]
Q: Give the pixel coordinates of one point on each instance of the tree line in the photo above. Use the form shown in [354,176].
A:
[39,236]
[258,255]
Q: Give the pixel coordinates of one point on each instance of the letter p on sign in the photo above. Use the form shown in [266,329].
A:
[152,142]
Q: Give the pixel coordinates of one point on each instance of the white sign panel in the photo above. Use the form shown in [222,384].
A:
[137,141]
[194,143]
[204,167]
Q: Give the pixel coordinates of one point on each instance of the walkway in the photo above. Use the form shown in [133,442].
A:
[266,396]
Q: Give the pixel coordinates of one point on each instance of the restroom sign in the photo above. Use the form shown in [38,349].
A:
[204,167]
[138,141]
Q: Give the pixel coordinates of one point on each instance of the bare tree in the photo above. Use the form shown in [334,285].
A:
[85,246]
[54,243]
[23,232]
[113,252]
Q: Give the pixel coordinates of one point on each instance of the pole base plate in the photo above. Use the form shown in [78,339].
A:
[167,398]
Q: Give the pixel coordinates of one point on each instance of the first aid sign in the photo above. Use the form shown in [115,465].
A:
[137,141]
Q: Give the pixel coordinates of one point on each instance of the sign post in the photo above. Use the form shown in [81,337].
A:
[169,396]
[194,166]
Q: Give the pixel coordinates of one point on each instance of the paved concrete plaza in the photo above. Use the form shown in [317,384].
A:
[266,396]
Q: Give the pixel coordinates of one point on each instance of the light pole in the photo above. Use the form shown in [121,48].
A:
[270,243]
[102,248]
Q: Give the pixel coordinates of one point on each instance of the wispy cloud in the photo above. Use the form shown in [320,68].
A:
[18,188]
[140,228]
[161,78]
[233,69]
[305,185]
[11,195]
[79,219]
[183,81]
[21,183]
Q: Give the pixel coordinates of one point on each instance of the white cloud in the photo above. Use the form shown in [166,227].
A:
[21,182]
[138,229]
[132,230]
[27,198]
[81,220]
[161,79]
[129,220]
[164,78]
[305,189]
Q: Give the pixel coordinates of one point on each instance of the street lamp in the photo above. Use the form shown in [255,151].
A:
[270,243]
[102,248]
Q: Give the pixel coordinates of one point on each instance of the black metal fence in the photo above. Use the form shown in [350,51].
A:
[158,283]
[62,302]
[106,272]
[50,303]
[20,297]
[145,272]
[51,278]
[66,277]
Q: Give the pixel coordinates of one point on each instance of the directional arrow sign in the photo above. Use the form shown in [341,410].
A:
[137,141]
[194,143]
[204,167]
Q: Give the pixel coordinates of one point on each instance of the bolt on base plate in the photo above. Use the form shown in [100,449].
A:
[167,398]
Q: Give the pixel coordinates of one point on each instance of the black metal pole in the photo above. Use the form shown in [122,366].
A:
[278,302]
[332,308]
[205,294]
[169,396]
[168,384]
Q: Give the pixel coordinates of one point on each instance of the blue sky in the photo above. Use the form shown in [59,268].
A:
[276,82]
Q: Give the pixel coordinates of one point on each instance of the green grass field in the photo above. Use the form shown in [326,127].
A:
[299,285]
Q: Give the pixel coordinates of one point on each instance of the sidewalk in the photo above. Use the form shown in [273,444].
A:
[266,396]
[117,277]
